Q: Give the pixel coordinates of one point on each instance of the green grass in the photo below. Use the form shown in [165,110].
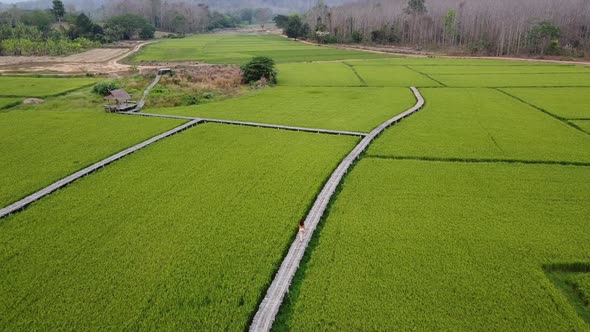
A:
[359,109]
[568,103]
[575,286]
[482,124]
[8,102]
[515,80]
[506,69]
[238,49]
[40,146]
[40,87]
[393,76]
[183,235]
[584,124]
[444,62]
[414,245]
[317,74]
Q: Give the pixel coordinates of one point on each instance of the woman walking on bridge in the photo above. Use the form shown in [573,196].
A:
[301,229]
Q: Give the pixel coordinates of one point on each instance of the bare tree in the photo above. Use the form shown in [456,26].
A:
[496,27]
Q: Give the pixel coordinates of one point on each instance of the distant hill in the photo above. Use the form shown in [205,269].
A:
[278,6]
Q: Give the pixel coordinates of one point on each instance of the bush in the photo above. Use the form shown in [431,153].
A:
[103,88]
[259,67]
[331,40]
[357,37]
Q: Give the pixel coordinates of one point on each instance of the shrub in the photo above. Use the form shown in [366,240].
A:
[103,88]
[331,40]
[259,67]
[357,37]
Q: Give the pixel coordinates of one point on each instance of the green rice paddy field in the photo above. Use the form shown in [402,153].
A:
[322,107]
[40,87]
[232,49]
[472,214]
[40,144]
[9,102]
[182,235]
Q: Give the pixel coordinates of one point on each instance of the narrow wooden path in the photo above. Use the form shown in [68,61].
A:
[141,103]
[271,303]
[17,206]
[253,124]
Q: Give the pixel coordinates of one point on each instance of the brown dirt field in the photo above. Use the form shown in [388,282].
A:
[96,61]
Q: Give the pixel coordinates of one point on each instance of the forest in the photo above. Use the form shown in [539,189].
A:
[477,27]
[497,27]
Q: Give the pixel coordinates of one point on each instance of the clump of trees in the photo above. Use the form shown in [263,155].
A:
[58,32]
[181,16]
[129,26]
[29,40]
[293,26]
[497,27]
[259,68]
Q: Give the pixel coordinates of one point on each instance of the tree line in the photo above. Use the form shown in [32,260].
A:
[59,32]
[182,16]
[491,27]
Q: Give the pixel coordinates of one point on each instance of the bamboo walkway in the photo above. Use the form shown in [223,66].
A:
[252,124]
[271,303]
[141,103]
[17,206]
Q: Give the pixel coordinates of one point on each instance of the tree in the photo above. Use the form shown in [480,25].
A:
[58,10]
[39,18]
[294,27]
[543,38]
[130,25]
[451,26]
[357,37]
[262,15]
[259,67]
[281,21]
[305,30]
[84,27]
[416,7]
[179,24]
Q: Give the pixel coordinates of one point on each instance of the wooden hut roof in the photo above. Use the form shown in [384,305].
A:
[119,95]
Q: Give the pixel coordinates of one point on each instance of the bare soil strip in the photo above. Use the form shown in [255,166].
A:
[96,61]
[271,303]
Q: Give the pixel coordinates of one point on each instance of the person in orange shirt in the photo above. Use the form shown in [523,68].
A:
[301,229]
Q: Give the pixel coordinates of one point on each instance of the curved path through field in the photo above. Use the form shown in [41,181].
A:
[271,303]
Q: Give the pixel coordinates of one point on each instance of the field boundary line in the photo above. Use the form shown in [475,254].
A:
[23,203]
[425,75]
[252,124]
[11,105]
[360,78]
[555,116]
[483,160]
[269,307]
[505,73]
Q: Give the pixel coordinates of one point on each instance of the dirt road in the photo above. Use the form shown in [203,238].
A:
[96,61]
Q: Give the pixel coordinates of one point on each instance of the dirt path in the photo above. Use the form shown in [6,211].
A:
[96,61]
